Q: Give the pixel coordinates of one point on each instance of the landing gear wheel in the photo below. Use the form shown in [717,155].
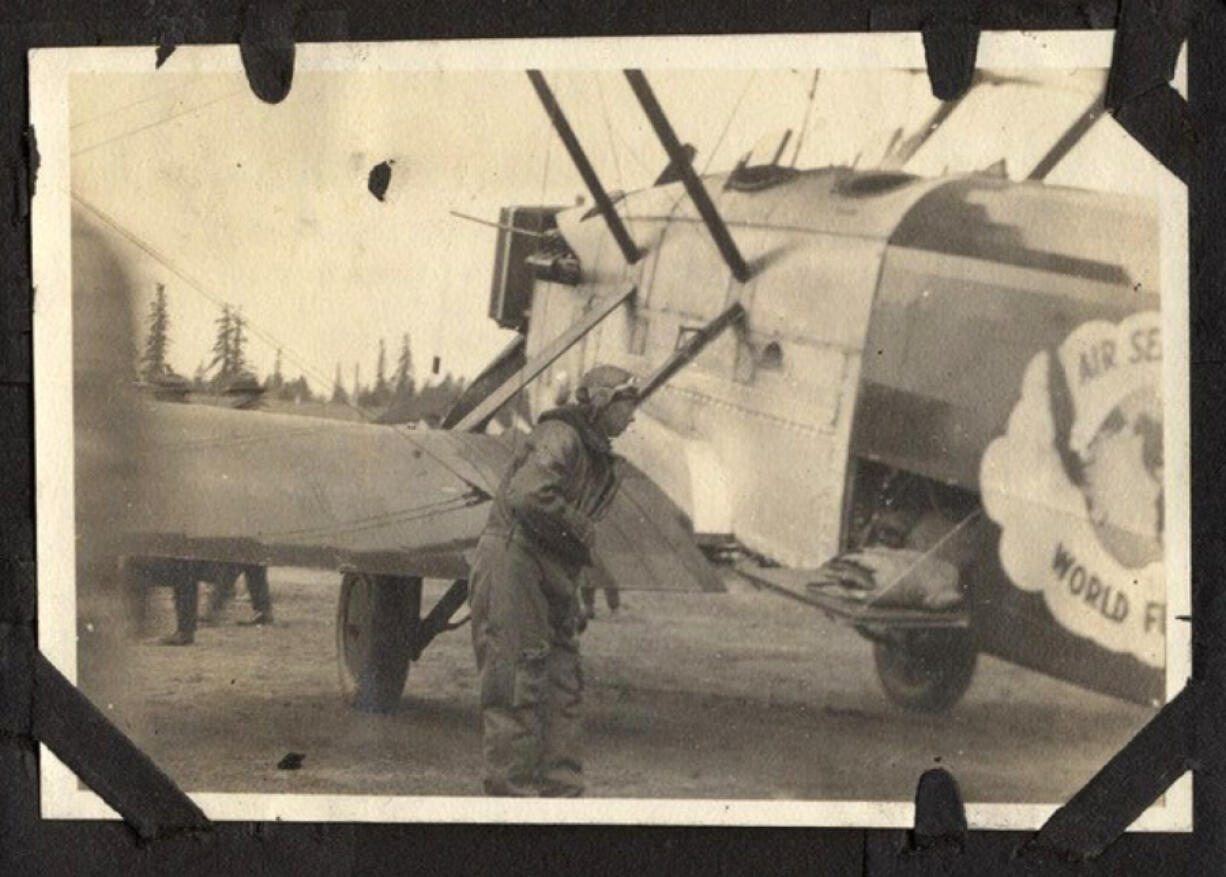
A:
[926,671]
[376,618]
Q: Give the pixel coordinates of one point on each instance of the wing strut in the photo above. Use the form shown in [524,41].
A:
[505,365]
[603,203]
[480,415]
[1069,139]
[680,161]
[694,344]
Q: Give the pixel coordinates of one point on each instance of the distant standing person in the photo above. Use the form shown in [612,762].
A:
[588,591]
[525,578]
[184,577]
[225,585]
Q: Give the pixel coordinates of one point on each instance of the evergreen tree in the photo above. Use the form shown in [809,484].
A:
[154,359]
[230,347]
[338,390]
[222,345]
[404,370]
[381,369]
[276,381]
[238,343]
[297,390]
[380,394]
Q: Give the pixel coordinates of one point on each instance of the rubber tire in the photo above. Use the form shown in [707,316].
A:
[926,671]
[376,617]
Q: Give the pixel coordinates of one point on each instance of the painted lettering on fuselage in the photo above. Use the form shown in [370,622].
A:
[1076,485]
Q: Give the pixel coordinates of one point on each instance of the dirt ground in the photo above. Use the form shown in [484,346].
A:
[738,695]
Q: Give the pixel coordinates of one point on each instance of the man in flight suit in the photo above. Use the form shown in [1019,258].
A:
[525,577]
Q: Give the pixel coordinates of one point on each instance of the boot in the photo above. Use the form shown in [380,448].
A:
[178,638]
[259,619]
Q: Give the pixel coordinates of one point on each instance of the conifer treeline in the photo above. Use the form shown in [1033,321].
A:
[229,366]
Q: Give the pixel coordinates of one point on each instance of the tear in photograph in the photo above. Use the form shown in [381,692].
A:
[713,430]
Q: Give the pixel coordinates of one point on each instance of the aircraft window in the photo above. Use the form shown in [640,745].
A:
[772,357]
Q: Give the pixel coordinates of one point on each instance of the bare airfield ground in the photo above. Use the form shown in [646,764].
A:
[740,695]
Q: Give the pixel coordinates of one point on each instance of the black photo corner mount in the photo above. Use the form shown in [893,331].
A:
[39,703]
[267,47]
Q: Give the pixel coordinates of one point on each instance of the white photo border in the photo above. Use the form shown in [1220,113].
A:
[50,69]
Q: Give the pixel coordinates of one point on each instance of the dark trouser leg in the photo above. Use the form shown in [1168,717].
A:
[562,761]
[224,579]
[257,590]
[612,597]
[512,642]
[187,593]
[135,582]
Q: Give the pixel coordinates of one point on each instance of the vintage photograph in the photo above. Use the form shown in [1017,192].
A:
[707,430]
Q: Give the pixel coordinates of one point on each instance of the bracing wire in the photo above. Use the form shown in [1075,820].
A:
[198,287]
[162,121]
[804,125]
[633,153]
[604,110]
[114,111]
[736,107]
[875,598]
[396,518]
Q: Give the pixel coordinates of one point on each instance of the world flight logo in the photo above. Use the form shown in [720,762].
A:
[1076,485]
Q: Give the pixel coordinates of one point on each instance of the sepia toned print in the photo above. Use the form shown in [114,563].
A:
[904,485]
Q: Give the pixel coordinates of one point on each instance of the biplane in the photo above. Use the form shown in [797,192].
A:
[927,406]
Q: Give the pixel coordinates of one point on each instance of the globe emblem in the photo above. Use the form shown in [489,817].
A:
[1121,479]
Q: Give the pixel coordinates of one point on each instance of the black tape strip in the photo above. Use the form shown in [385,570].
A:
[105,759]
[940,817]
[267,42]
[1139,93]
[267,47]
[1133,778]
[16,699]
[950,31]
[1207,218]
[17,600]
[949,51]
[986,16]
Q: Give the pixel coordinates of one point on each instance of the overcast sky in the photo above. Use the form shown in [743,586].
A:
[266,206]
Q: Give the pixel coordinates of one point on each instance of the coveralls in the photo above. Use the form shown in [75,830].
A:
[525,607]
